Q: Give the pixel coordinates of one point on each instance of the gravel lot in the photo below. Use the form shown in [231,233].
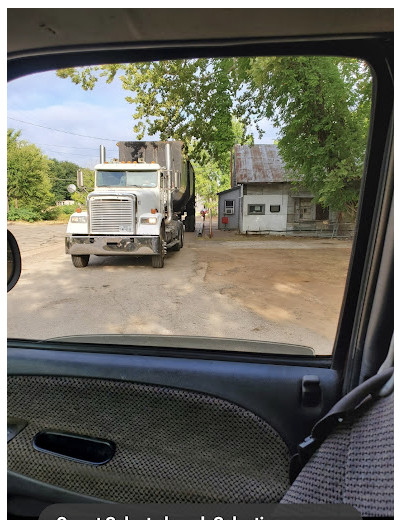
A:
[261,288]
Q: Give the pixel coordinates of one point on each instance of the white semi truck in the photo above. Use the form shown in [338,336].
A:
[140,204]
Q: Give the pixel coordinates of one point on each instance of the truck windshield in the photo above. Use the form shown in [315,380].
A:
[126,178]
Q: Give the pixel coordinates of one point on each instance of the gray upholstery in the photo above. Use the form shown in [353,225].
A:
[354,465]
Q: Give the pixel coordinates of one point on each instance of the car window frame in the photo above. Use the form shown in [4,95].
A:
[376,50]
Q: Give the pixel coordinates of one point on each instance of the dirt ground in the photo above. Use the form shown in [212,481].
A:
[301,286]
[285,289]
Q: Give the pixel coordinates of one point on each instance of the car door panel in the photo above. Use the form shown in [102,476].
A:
[185,430]
[27,497]
[269,390]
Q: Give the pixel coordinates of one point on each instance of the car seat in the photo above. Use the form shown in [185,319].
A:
[354,464]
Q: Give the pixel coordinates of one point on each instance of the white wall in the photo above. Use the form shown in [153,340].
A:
[269,221]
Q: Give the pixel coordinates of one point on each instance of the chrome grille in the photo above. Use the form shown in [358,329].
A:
[111,215]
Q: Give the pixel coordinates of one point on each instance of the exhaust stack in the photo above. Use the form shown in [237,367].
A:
[79,178]
[102,154]
[169,191]
[168,157]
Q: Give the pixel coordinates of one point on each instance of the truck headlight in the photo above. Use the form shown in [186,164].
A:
[78,219]
[148,220]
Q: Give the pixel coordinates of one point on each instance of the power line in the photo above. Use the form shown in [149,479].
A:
[71,153]
[89,155]
[70,147]
[63,131]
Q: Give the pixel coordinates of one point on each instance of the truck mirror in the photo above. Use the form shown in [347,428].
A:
[13,261]
[71,188]
[79,178]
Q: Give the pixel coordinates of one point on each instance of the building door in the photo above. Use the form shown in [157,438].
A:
[305,209]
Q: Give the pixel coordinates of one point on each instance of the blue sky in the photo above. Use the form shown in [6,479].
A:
[46,100]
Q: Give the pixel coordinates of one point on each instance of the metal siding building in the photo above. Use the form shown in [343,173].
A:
[265,207]
[229,207]
[259,170]
[266,202]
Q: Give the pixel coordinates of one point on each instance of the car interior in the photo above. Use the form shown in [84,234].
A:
[195,421]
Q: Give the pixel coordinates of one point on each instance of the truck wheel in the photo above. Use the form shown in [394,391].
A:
[80,261]
[190,223]
[157,261]
[179,244]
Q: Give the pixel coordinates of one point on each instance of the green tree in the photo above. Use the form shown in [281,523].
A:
[192,100]
[28,183]
[210,179]
[320,105]
[61,175]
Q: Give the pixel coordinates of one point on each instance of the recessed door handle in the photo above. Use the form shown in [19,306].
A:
[79,448]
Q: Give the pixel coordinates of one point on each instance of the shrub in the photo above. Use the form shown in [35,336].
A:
[50,214]
[61,213]
[58,213]
[68,209]
[29,215]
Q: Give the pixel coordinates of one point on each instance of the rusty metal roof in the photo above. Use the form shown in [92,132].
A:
[258,163]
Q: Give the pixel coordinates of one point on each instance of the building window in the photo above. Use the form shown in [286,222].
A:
[229,208]
[256,209]
[274,209]
[321,213]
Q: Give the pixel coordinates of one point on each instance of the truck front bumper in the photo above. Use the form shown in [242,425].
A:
[113,245]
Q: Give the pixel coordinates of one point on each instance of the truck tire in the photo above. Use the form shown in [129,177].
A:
[190,223]
[80,261]
[157,261]
[179,244]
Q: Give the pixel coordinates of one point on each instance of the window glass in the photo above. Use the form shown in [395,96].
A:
[110,178]
[243,229]
[126,178]
[256,209]
[229,207]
